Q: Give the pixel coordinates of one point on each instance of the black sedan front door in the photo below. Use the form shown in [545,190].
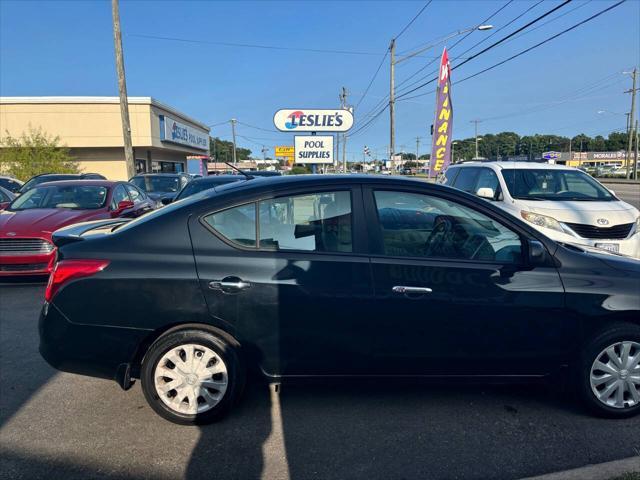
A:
[454,292]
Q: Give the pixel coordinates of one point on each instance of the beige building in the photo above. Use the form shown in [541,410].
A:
[91,127]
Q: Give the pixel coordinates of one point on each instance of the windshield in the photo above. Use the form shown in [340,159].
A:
[76,197]
[558,185]
[157,184]
[199,186]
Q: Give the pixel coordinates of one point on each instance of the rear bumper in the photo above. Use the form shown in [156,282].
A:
[96,351]
[41,264]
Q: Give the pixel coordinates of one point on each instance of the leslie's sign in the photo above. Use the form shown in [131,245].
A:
[177,132]
[289,120]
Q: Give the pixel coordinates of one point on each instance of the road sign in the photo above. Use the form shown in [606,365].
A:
[302,120]
[313,149]
[284,151]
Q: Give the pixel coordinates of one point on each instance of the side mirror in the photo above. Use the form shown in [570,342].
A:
[611,191]
[486,192]
[124,204]
[538,254]
[167,200]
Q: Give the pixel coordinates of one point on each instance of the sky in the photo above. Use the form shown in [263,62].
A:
[173,52]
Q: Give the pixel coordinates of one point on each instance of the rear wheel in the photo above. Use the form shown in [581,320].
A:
[191,376]
[610,372]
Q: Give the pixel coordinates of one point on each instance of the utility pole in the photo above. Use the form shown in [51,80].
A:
[476,121]
[417,149]
[392,100]
[343,104]
[635,164]
[122,87]
[233,132]
[631,119]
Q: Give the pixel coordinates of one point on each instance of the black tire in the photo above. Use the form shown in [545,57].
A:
[228,354]
[617,332]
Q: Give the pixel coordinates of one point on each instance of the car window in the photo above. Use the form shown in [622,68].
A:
[75,197]
[237,224]
[418,225]
[449,176]
[119,194]
[466,179]
[135,194]
[3,197]
[487,178]
[318,222]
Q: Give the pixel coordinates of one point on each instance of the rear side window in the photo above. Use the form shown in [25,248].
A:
[466,179]
[317,222]
[237,224]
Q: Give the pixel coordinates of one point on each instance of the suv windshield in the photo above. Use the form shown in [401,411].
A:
[159,184]
[76,197]
[558,185]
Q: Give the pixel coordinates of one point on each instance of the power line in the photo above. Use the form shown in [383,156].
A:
[495,44]
[252,45]
[414,19]
[454,45]
[372,79]
[259,128]
[592,17]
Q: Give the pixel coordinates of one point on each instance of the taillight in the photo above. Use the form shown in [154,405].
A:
[67,270]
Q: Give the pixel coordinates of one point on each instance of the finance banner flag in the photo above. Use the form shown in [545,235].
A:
[442,126]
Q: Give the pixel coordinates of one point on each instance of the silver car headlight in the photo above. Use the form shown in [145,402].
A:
[542,220]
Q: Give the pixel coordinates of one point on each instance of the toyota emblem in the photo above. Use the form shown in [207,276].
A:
[602,221]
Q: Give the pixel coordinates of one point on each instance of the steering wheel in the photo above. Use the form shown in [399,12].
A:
[442,229]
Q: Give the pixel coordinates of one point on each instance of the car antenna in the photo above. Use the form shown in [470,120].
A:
[249,177]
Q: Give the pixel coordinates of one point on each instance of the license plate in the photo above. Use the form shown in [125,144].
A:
[612,247]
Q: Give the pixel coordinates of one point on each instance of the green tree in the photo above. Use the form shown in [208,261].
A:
[33,153]
[299,170]
[222,151]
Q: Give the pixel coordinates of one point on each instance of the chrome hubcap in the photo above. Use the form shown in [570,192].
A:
[191,379]
[615,375]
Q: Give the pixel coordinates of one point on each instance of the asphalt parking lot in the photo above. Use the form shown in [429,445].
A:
[628,192]
[59,425]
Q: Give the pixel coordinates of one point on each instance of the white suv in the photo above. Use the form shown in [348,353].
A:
[564,203]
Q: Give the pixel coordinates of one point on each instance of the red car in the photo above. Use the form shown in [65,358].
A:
[27,223]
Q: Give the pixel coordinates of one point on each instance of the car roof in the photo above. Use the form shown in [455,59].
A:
[160,174]
[90,182]
[217,178]
[517,165]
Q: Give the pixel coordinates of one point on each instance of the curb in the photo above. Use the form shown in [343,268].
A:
[601,471]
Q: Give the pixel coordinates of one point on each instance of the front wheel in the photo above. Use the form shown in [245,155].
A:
[191,377]
[610,372]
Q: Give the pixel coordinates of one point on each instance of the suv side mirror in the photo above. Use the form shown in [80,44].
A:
[538,254]
[486,192]
[167,200]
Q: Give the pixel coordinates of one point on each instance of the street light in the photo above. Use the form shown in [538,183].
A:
[392,75]
[453,158]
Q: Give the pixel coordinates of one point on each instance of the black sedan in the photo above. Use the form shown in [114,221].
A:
[308,276]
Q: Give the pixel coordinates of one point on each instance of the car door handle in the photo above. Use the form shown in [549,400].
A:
[403,289]
[229,285]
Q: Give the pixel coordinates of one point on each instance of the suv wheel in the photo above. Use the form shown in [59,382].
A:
[610,372]
[191,377]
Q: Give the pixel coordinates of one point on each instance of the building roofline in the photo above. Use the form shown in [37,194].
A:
[104,100]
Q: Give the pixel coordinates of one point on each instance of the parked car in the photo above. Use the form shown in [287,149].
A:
[564,203]
[336,275]
[205,183]
[11,184]
[27,223]
[6,197]
[56,177]
[161,187]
